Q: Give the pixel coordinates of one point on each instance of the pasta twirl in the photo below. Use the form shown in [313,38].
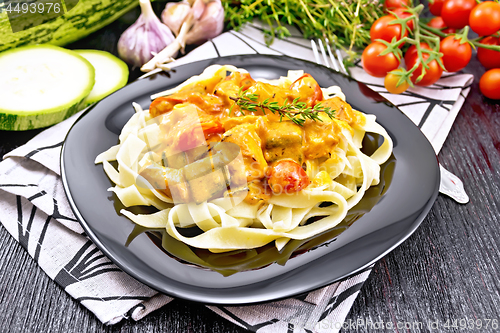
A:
[238,172]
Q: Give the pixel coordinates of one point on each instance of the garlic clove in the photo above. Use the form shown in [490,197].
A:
[198,8]
[174,14]
[143,38]
[209,25]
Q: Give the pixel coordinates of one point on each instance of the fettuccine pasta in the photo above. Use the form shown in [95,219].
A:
[226,157]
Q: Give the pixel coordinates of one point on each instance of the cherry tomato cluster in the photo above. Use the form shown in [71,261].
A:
[483,19]
[439,45]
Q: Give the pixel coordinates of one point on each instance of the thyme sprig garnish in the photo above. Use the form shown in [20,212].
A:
[296,111]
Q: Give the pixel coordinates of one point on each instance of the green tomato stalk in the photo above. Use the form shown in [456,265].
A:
[416,36]
[430,36]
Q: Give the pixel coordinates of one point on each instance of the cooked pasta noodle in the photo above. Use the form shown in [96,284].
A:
[242,178]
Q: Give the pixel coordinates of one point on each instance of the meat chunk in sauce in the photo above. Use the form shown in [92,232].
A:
[282,140]
[343,111]
[321,137]
[246,137]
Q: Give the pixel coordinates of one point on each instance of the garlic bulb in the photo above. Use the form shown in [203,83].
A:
[209,25]
[203,20]
[207,19]
[198,7]
[143,39]
[175,14]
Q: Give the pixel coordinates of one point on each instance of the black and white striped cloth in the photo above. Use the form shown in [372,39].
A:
[35,210]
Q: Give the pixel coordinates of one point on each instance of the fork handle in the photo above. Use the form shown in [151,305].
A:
[452,186]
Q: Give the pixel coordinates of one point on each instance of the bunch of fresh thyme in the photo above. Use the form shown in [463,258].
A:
[296,111]
[345,23]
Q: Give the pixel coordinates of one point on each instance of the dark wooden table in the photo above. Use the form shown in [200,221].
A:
[447,271]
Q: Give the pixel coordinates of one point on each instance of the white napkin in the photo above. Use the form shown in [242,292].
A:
[35,210]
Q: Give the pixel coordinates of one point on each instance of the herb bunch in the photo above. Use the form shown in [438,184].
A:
[296,111]
[344,23]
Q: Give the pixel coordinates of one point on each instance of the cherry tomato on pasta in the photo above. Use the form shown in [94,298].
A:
[308,89]
[455,13]
[456,55]
[286,176]
[489,84]
[246,81]
[212,127]
[484,19]
[375,64]
[391,84]
[489,58]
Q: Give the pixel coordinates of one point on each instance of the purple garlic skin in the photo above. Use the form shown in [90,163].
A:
[175,14]
[143,38]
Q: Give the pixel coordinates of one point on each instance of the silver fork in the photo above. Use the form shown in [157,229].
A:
[337,63]
[450,184]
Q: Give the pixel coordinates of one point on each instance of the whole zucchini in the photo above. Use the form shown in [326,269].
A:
[86,17]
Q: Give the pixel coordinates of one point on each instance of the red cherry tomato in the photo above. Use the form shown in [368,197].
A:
[375,64]
[412,52]
[455,13]
[448,31]
[438,23]
[308,89]
[432,74]
[286,176]
[455,55]
[489,84]
[436,6]
[393,4]
[381,29]
[484,19]
[489,58]
[403,13]
[212,127]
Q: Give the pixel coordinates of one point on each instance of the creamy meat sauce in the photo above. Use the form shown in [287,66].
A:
[274,150]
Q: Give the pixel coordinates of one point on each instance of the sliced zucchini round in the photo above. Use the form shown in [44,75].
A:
[111,74]
[41,85]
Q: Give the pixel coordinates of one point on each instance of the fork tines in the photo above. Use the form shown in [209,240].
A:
[337,62]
